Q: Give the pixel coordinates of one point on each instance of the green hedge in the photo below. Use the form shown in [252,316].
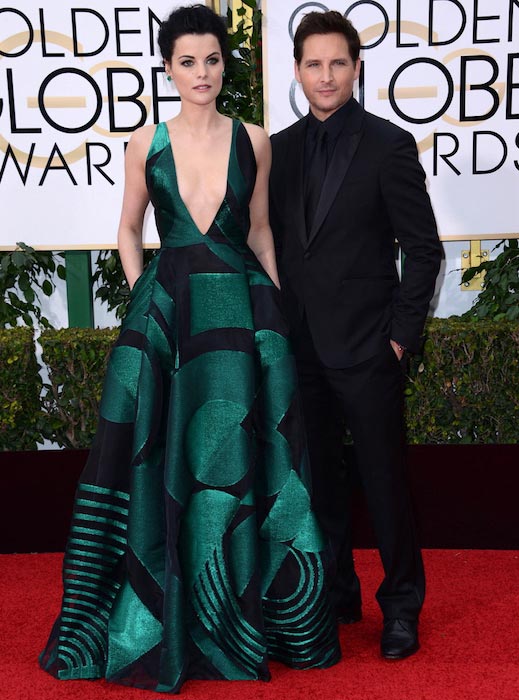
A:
[464,389]
[20,387]
[76,359]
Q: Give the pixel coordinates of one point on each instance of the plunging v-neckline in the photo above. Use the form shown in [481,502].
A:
[186,209]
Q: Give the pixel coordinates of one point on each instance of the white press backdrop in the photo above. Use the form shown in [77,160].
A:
[75,78]
[446,70]
[72,75]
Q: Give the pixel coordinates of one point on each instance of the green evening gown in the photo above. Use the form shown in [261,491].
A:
[193,551]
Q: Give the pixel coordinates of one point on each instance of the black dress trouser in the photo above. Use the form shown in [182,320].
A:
[369,399]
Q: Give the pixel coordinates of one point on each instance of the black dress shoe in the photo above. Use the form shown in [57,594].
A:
[347,616]
[399,638]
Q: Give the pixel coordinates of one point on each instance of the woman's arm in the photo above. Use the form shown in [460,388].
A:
[135,201]
[260,239]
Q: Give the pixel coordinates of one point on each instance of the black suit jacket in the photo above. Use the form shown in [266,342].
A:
[342,273]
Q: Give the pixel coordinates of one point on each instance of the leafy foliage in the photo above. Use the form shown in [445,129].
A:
[112,285]
[464,387]
[20,386]
[499,298]
[76,359]
[23,272]
[242,93]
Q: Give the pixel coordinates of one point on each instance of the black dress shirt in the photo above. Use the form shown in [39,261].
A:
[334,125]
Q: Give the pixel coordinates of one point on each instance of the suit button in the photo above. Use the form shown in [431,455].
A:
[307,255]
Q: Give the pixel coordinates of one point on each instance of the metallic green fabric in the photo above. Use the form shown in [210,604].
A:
[193,551]
[218,301]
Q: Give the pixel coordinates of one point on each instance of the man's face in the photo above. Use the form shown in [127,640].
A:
[326,73]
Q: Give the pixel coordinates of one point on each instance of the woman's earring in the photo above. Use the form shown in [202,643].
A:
[223,74]
[168,78]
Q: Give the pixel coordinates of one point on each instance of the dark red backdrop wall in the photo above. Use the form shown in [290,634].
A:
[465,497]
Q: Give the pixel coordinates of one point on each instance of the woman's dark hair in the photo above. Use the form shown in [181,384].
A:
[195,19]
[331,22]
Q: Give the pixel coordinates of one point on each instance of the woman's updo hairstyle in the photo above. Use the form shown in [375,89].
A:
[195,19]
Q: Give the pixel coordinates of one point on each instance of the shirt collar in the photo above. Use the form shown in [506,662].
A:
[334,123]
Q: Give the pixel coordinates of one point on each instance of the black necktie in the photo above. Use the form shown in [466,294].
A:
[316,175]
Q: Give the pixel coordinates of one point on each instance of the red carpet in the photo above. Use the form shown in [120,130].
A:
[469,636]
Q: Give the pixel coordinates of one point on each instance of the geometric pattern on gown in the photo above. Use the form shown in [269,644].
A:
[193,550]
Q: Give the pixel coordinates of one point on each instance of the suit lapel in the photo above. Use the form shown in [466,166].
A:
[345,149]
[295,185]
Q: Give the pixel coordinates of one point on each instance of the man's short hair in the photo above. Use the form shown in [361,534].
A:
[331,22]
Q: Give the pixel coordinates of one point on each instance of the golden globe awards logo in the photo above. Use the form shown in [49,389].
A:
[442,88]
[71,81]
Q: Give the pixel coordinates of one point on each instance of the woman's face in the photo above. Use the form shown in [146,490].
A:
[196,67]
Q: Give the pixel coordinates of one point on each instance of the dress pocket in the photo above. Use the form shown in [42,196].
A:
[136,284]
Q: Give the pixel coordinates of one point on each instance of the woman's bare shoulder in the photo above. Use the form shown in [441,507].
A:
[259,138]
[140,140]
[256,132]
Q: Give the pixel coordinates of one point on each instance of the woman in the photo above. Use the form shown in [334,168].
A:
[193,551]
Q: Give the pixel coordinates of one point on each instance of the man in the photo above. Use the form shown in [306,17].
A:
[344,185]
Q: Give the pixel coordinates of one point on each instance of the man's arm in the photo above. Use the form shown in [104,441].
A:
[411,216]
